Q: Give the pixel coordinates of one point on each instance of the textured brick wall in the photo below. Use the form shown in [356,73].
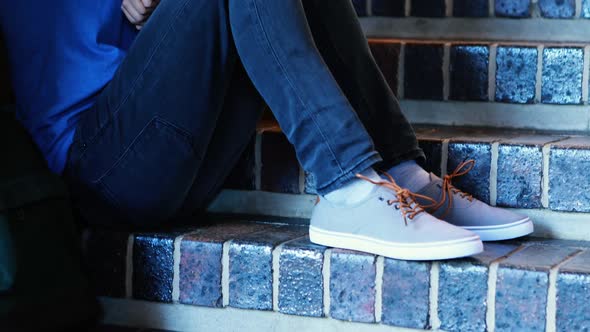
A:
[537,285]
[508,54]
[484,72]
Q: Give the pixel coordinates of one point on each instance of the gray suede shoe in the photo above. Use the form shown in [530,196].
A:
[463,210]
[390,223]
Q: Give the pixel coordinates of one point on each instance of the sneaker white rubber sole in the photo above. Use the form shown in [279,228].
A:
[503,232]
[406,251]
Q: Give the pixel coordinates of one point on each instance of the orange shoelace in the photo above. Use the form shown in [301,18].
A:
[448,190]
[406,200]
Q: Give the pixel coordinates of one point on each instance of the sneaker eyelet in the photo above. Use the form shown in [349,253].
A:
[396,207]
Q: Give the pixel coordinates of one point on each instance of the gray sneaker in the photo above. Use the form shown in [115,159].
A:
[463,210]
[390,223]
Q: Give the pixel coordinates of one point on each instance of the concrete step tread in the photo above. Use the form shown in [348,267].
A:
[530,283]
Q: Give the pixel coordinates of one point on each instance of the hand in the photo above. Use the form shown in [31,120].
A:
[138,11]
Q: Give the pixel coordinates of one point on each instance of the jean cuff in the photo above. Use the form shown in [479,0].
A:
[371,159]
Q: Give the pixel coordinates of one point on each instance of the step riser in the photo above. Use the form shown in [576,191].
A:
[182,318]
[276,269]
[512,73]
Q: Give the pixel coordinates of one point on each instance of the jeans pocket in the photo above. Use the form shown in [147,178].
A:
[150,180]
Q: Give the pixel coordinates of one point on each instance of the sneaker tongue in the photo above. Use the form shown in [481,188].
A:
[434,187]
[391,194]
[385,192]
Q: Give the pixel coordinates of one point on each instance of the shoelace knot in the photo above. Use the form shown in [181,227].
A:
[448,190]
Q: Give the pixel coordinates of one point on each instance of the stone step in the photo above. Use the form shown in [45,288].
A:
[534,85]
[531,284]
[546,176]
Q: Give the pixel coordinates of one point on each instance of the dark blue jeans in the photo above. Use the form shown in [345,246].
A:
[167,130]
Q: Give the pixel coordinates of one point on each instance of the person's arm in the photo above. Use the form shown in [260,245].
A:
[138,11]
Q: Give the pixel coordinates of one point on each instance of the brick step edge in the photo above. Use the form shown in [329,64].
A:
[532,284]
[297,209]
[474,9]
[513,169]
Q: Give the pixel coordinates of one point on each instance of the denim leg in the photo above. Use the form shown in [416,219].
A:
[234,130]
[277,49]
[138,151]
[338,36]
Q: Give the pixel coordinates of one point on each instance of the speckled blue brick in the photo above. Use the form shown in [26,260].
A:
[200,273]
[406,287]
[153,267]
[569,176]
[427,8]
[516,74]
[422,61]
[573,292]
[521,289]
[105,253]
[557,8]
[521,300]
[393,8]
[586,8]
[280,168]
[462,291]
[513,8]
[352,286]
[520,174]
[250,267]
[360,6]
[243,176]
[433,151]
[562,75]
[387,57]
[200,262]
[469,72]
[470,8]
[301,285]
[476,182]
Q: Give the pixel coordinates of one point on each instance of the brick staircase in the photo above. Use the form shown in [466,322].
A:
[195,279]
[504,82]
[267,264]
[507,85]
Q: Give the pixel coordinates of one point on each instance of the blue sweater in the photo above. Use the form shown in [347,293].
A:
[62,53]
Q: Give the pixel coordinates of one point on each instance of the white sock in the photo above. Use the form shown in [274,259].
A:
[354,191]
[410,175]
